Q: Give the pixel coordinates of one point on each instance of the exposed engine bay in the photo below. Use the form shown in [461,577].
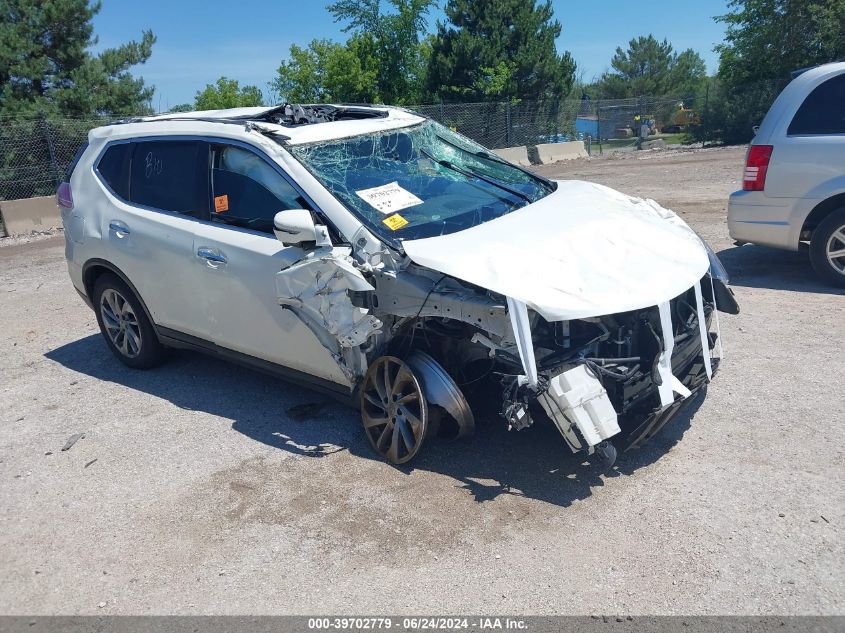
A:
[597,378]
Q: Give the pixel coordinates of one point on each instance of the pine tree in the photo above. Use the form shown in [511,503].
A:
[491,50]
[46,64]
[649,67]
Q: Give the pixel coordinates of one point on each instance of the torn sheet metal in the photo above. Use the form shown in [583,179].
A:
[316,290]
[518,312]
[669,383]
[584,250]
[702,330]
[405,294]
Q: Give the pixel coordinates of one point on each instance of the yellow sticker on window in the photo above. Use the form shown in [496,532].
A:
[395,222]
[221,203]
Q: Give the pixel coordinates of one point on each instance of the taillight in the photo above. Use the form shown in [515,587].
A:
[65,196]
[756,165]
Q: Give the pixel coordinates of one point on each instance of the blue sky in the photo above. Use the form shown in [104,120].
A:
[200,40]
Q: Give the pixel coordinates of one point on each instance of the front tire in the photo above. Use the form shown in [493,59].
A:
[394,411]
[827,248]
[124,324]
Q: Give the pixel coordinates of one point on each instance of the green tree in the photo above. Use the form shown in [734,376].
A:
[300,78]
[765,41]
[46,64]
[227,93]
[491,50]
[327,71]
[652,68]
[392,40]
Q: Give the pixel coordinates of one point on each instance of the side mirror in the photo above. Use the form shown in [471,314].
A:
[294,226]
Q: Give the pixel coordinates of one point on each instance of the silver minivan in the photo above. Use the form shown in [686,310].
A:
[794,181]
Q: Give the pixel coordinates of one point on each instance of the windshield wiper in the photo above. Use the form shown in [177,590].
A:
[471,174]
[493,158]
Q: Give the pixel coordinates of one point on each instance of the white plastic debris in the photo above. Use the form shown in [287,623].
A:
[518,312]
[669,382]
[702,330]
[576,397]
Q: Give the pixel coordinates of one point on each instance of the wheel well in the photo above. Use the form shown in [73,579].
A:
[821,211]
[94,269]
[89,277]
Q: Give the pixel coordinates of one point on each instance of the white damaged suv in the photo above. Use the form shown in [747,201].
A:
[383,258]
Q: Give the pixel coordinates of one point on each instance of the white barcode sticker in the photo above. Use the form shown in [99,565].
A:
[389,198]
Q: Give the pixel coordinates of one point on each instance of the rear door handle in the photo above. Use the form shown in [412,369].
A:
[212,255]
[120,229]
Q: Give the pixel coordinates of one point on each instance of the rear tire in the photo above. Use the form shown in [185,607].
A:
[124,324]
[827,249]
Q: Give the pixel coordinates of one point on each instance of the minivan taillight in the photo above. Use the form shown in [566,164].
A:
[65,196]
[756,165]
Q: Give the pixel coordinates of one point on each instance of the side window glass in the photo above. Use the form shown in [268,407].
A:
[114,168]
[166,175]
[247,191]
[823,111]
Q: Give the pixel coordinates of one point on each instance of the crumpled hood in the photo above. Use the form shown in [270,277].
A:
[584,250]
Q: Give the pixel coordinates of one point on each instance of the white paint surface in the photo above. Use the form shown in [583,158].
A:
[584,250]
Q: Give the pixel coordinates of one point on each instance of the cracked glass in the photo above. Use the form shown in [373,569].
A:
[435,180]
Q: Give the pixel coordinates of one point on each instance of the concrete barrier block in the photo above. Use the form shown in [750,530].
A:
[31,214]
[658,143]
[516,155]
[554,152]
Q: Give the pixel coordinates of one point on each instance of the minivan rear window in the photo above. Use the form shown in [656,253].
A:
[822,111]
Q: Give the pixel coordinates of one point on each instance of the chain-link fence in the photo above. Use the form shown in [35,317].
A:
[36,151]
[602,124]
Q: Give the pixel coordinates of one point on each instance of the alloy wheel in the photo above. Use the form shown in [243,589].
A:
[120,323]
[393,409]
[835,250]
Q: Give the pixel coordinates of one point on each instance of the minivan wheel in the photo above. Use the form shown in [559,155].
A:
[394,411]
[124,325]
[827,248]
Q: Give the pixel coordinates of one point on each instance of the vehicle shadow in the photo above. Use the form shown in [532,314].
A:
[755,266]
[534,463]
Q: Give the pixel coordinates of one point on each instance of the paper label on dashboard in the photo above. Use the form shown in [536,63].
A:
[389,198]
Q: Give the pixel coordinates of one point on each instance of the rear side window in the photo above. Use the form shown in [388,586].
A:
[114,169]
[247,191]
[823,111]
[170,175]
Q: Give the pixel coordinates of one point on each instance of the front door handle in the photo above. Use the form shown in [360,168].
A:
[120,229]
[211,255]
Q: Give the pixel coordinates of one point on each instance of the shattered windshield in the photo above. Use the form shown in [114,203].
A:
[420,181]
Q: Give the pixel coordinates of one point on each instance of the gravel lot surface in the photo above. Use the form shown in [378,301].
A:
[195,489]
